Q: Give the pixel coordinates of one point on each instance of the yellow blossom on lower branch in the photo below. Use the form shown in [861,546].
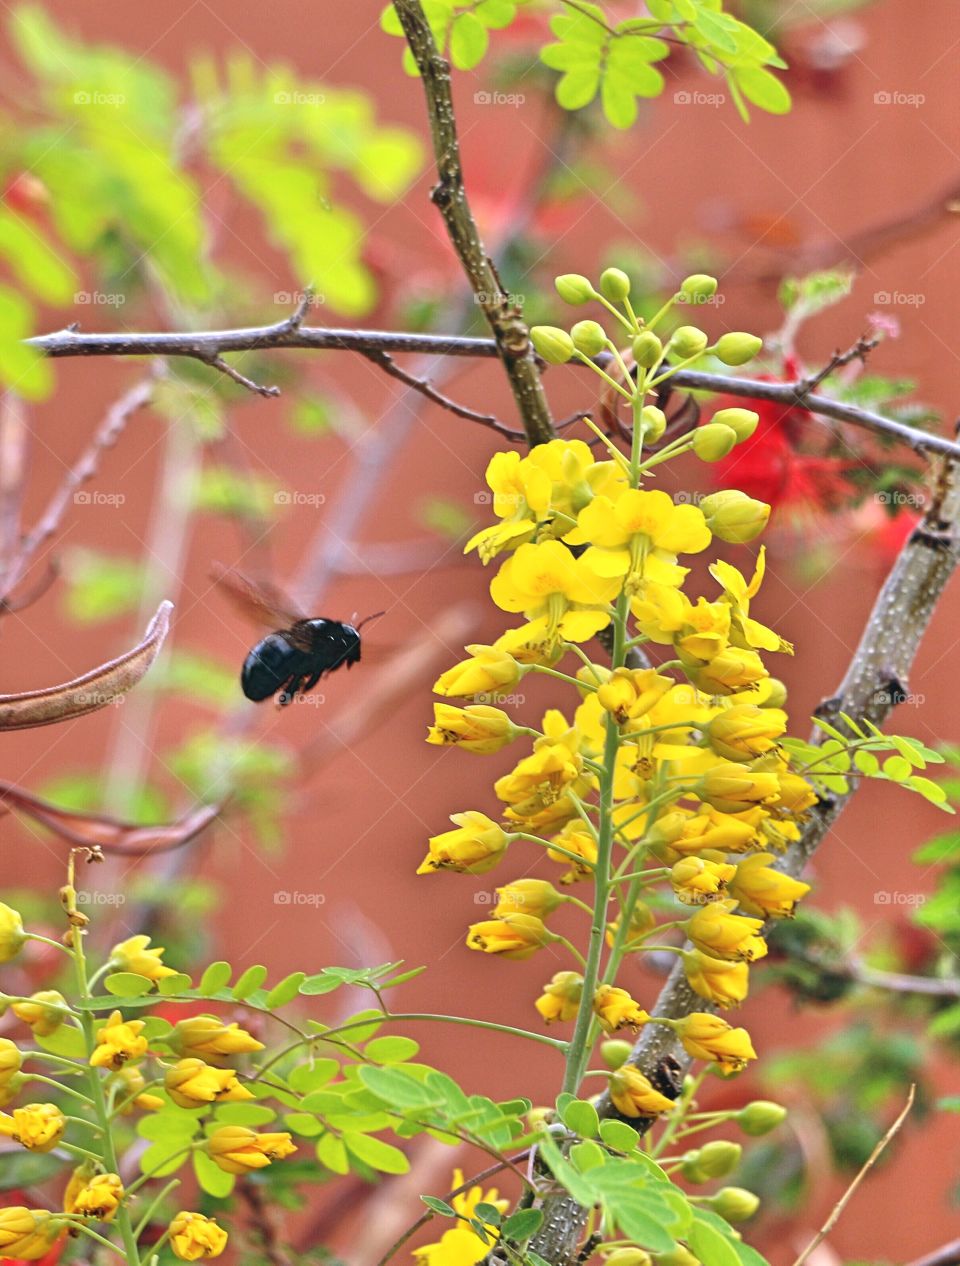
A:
[717,932]
[528,896]
[473,848]
[489,671]
[514,936]
[26,1234]
[476,728]
[696,880]
[560,999]
[724,983]
[38,1126]
[461,1246]
[615,1009]
[633,1096]
[575,839]
[238,1150]
[763,891]
[193,1236]
[708,1037]
[43,1011]
[118,1041]
[207,1038]
[94,1195]
[137,955]
[191,1083]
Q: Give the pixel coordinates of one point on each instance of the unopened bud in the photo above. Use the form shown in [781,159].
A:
[614,284]
[698,287]
[628,1257]
[589,337]
[552,343]
[772,694]
[713,1160]
[575,289]
[713,441]
[743,421]
[647,349]
[653,423]
[679,1255]
[736,1204]
[760,1117]
[615,1053]
[688,341]
[737,348]
[733,516]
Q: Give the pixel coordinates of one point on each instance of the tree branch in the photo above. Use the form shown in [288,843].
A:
[449,195]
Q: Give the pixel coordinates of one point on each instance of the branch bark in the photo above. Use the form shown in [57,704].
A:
[877,675]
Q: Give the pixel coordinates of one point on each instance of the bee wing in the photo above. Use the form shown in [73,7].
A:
[261,601]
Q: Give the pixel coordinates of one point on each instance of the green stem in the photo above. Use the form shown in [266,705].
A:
[571,681]
[679,1114]
[152,1207]
[64,1090]
[405,1016]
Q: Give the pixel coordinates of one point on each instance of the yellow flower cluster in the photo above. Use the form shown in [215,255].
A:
[669,770]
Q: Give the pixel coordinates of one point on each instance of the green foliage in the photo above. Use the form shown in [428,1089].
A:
[597,56]
[101,586]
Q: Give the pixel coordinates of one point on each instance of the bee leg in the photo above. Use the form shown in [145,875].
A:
[289,692]
[311,682]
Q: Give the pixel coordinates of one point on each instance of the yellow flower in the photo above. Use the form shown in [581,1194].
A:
[193,1236]
[12,935]
[730,670]
[521,497]
[707,1037]
[461,1246]
[733,788]
[473,848]
[563,598]
[135,954]
[44,1011]
[514,936]
[10,1060]
[630,693]
[733,516]
[716,979]
[615,1009]
[191,1083]
[477,728]
[118,1041]
[744,631]
[206,1038]
[539,780]
[95,1195]
[38,1127]
[720,934]
[576,839]
[796,794]
[560,999]
[763,891]
[527,896]
[682,832]
[131,1082]
[488,671]
[638,537]
[642,921]
[745,731]
[696,880]
[237,1150]
[633,1096]
[26,1234]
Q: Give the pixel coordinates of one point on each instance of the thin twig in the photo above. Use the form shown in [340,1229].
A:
[899,982]
[217,362]
[426,388]
[945,1255]
[847,1196]
[860,350]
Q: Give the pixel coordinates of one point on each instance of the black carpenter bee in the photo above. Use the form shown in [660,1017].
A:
[293,658]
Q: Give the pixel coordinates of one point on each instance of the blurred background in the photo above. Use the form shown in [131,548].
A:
[228,155]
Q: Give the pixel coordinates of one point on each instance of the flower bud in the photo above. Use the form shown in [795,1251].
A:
[688,341]
[540,1118]
[560,999]
[679,1255]
[575,289]
[647,349]
[528,896]
[653,423]
[10,1060]
[615,1053]
[733,516]
[628,1257]
[743,422]
[736,1204]
[773,694]
[552,343]
[714,441]
[12,935]
[737,348]
[713,1160]
[698,287]
[614,284]
[760,1117]
[589,337]
[44,1011]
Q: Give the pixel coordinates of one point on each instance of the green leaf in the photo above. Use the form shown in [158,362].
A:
[322,983]
[763,89]
[211,1177]
[249,982]
[170,986]
[308,1077]
[468,41]
[582,1118]
[391,1050]
[286,990]
[332,1153]
[216,977]
[249,1114]
[397,1088]
[521,1225]
[488,1214]
[162,1158]
[374,1152]
[127,984]
[439,1206]
[587,1155]
[619,1135]
[578,88]
[28,1169]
